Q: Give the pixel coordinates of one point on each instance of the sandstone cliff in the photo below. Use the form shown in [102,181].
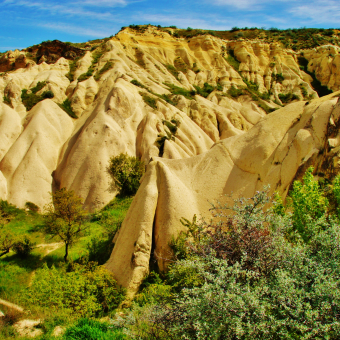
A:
[128,93]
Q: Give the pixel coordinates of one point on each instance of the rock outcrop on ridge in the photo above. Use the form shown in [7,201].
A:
[207,116]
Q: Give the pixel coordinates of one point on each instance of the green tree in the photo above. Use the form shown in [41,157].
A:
[309,205]
[7,240]
[65,218]
[126,172]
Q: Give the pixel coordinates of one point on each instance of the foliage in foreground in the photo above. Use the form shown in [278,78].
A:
[87,329]
[254,274]
[83,290]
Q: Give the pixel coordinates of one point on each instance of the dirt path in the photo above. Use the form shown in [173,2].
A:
[50,247]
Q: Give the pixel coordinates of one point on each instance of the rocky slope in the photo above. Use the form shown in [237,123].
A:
[211,115]
[127,93]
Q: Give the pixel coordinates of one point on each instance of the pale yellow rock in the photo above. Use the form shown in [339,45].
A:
[325,62]
[83,95]
[10,128]
[114,118]
[26,78]
[3,187]
[29,163]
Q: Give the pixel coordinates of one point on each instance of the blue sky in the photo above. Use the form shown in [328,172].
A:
[27,22]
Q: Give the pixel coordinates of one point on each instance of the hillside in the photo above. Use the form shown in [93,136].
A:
[214,116]
[127,91]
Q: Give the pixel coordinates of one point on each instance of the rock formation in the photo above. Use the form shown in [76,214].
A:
[271,152]
[207,115]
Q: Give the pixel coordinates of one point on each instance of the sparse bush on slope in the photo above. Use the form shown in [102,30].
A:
[126,172]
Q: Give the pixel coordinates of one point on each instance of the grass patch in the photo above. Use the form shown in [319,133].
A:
[105,68]
[165,97]
[180,65]
[140,58]
[73,67]
[231,59]
[235,92]
[93,330]
[287,98]
[181,91]
[137,83]
[67,107]
[8,101]
[205,91]
[40,85]
[266,107]
[152,102]
[172,69]
[96,55]
[31,99]
[278,77]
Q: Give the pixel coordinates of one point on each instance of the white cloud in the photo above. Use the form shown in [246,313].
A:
[72,8]
[78,30]
[102,3]
[240,4]
[318,12]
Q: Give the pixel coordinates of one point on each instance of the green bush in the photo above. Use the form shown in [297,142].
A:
[32,206]
[322,90]
[38,87]
[126,172]
[8,101]
[180,91]
[231,59]
[288,97]
[8,210]
[31,99]
[96,55]
[85,75]
[7,240]
[73,67]
[205,91]
[23,247]
[278,77]
[47,94]
[235,92]
[309,207]
[87,329]
[137,83]
[152,102]
[67,107]
[83,290]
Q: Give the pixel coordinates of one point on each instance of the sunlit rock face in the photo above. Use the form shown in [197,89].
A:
[208,116]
